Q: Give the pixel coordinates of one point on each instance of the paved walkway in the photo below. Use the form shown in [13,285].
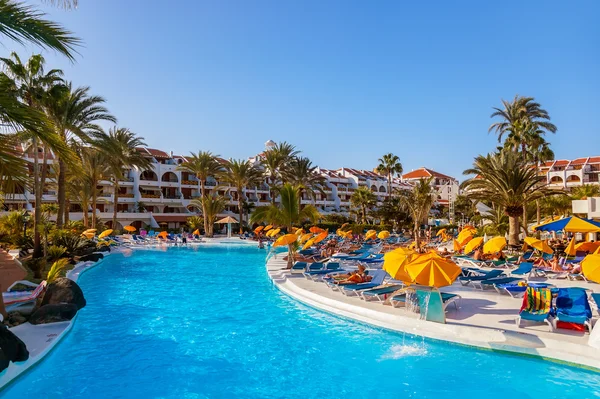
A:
[10,271]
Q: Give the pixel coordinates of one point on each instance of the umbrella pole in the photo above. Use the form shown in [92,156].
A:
[228,230]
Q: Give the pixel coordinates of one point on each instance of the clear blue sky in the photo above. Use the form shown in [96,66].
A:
[345,81]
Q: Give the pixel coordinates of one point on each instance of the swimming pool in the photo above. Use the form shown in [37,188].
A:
[207,323]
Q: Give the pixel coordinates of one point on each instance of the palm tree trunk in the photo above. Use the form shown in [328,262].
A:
[390,185]
[416,233]
[62,170]
[94,202]
[67,207]
[86,219]
[524,220]
[203,193]
[37,248]
[241,211]
[538,211]
[513,230]
[364,214]
[116,202]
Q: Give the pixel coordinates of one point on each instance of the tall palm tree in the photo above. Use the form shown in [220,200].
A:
[31,84]
[203,164]
[74,113]
[26,25]
[286,214]
[521,119]
[275,161]
[301,173]
[241,174]
[419,202]
[120,146]
[389,165]
[363,199]
[506,181]
[95,165]
[211,206]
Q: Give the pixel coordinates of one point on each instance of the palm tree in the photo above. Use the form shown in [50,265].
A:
[497,221]
[203,164]
[120,146]
[195,222]
[30,84]
[211,206]
[584,192]
[557,205]
[389,165]
[286,214]
[25,24]
[275,161]
[521,119]
[506,181]
[363,198]
[419,202]
[95,165]
[74,113]
[301,173]
[241,174]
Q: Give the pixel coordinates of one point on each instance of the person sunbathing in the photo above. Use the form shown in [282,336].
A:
[356,278]
[346,276]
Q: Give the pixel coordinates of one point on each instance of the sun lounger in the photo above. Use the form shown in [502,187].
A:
[380,294]
[537,307]
[447,299]
[13,302]
[516,290]
[576,276]
[494,282]
[524,270]
[331,267]
[572,306]
[488,275]
[354,289]
[596,299]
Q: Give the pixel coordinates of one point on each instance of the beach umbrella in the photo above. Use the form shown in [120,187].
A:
[538,244]
[275,232]
[432,270]
[587,246]
[590,266]
[347,234]
[571,224]
[162,234]
[464,237]
[268,227]
[321,237]
[89,231]
[394,262]
[370,235]
[316,229]
[473,244]
[597,251]
[494,245]
[130,229]
[440,232]
[89,236]
[105,233]
[285,240]
[309,243]
[570,250]
[258,229]
[299,232]
[229,220]
[456,246]
[383,234]
[305,237]
[196,232]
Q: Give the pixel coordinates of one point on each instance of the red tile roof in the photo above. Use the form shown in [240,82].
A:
[157,153]
[424,173]
[579,161]
[594,160]
[562,162]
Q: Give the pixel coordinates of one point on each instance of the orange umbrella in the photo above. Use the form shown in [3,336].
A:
[268,227]
[315,229]
[456,246]
[258,229]
[587,246]
[432,270]
[130,229]
[196,232]
[305,237]
[309,243]
[285,240]
[162,234]
[321,237]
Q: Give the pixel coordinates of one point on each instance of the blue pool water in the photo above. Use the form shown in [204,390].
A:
[208,323]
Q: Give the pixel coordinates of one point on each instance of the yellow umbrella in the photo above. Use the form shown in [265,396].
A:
[412,245]
[88,235]
[370,234]
[590,266]
[321,237]
[432,270]
[274,232]
[394,262]
[268,227]
[258,229]
[105,233]
[162,234]
[130,229]
[587,246]
[440,232]
[305,237]
[570,249]
[383,234]
[299,232]
[456,246]
[473,244]
[538,244]
[494,245]
[597,251]
[464,237]
[89,231]
[196,232]
[309,243]
[285,240]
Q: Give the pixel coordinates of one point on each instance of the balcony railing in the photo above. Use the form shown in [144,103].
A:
[127,195]
[150,195]
[190,182]
[127,179]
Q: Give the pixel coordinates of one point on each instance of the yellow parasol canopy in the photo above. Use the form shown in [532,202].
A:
[473,244]
[89,231]
[590,266]
[432,270]
[570,249]
[321,237]
[89,236]
[494,245]
[597,251]
[440,232]
[305,237]
[274,232]
[383,234]
[258,229]
[370,234]
[538,244]
[196,232]
[268,227]
[394,262]
[105,233]
[285,240]
[587,246]
[130,229]
[162,234]
[455,246]
[309,243]
[299,232]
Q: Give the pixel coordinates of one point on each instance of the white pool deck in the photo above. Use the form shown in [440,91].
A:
[484,319]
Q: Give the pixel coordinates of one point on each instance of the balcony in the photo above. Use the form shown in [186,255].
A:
[126,181]
[190,183]
[153,183]
[150,196]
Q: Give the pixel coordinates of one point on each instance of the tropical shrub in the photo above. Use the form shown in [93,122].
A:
[56,252]
[57,270]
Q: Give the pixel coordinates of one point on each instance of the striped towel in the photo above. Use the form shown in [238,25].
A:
[537,300]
